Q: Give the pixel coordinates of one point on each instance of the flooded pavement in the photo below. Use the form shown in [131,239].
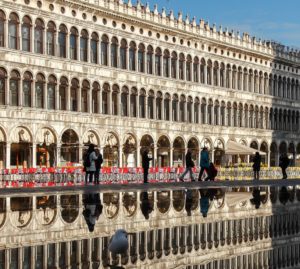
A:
[190,228]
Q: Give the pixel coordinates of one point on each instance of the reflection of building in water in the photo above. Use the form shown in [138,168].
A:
[158,81]
[233,235]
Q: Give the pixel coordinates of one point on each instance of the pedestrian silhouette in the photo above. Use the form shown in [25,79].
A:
[284,162]
[256,165]
[146,205]
[189,166]
[204,162]
[92,209]
[146,164]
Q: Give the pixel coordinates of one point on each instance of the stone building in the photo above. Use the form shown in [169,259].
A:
[125,78]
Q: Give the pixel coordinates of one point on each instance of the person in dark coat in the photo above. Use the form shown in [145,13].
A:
[89,164]
[145,164]
[204,162]
[98,164]
[189,166]
[284,162]
[256,165]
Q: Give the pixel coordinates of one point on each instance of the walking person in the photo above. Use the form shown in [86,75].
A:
[145,164]
[284,162]
[256,165]
[189,166]
[89,164]
[98,164]
[204,162]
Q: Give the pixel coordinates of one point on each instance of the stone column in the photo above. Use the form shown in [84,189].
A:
[127,58]
[7,161]
[185,119]
[137,105]
[177,66]
[230,78]
[56,93]
[88,50]
[78,252]
[138,156]
[120,156]
[20,91]
[154,107]
[110,103]
[171,156]
[146,107]
[79,90]
[33,155]
[99,102]
[58,153]
[7,101]
[154,162]
[162,109]
[68,98]
[6,35]
[177,111]
[32,93]
[205,74]
[32,45]
[193,112]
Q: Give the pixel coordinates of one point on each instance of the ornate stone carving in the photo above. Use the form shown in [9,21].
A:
[90,138]
[45,136]
[21,135]
[111,140]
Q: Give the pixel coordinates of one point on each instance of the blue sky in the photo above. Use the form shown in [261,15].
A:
[267,19]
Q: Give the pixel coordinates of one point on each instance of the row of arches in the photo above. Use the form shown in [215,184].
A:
[83,96]
[118,52]
[48,149]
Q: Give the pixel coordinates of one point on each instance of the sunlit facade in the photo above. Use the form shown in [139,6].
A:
[126,77]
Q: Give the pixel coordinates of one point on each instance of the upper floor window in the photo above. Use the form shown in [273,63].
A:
[84,46]
[51,90]
[123,55]
[195,69]
[114,52]
[141,55]
[94,48]
[188,68]
[63,93]
[84,95]
[39,36]
[2,22]
[3,77]
[27,82]
[14,88]
[158,62]
[26,33]
[181,66]
[62,41]
[74,91]
[104,50]
[166,61]
[51,29]
[13,31]
[73,43]
[174,65]
[39,90]
[132,56]
[149,60]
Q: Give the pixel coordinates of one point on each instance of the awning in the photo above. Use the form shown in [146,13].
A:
[234,148]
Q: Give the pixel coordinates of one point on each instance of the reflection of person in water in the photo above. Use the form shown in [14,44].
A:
[256,198]
[206,195]
[146,205]
[92,209]
[284,195]
[189,202]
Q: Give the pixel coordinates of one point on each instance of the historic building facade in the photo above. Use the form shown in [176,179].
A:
[126,77]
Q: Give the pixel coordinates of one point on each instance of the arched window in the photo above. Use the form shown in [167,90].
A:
[210,108]
[27,81]
[234,77]
[235,115]
[51,30]
[209,72]
[13,25]
[196,110]
[26,33]
[39,90]
[62,41]
[203,111]
[104,50]
[174,65]
[188,68]
[240,76]
[222,114]
[73,43]
[142,103]
[222,75]
[216,113]
[246,116]
[151,105]
[181,66]
[105,99]
[229,114]
[158,106]
[202,71]
[14,88]
[133,104]
[167,107]
[189,115]
[3,77]
[158,62]
[123,54]
[166,60]
[149,60]
[256,81]
[74,91]
[182,104]
[95,102]
[51,90]
[141,61]
[240,115]
[215,73]
[114,52]
[84,45]
[115,102]
[2,23]
[175,108]
[245,80]
[250,81]
[132,56]
[39,36]
[84,95]
[94,48]
[196,69]
[251,117]
[124,102]
[63,93]
[228,73]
